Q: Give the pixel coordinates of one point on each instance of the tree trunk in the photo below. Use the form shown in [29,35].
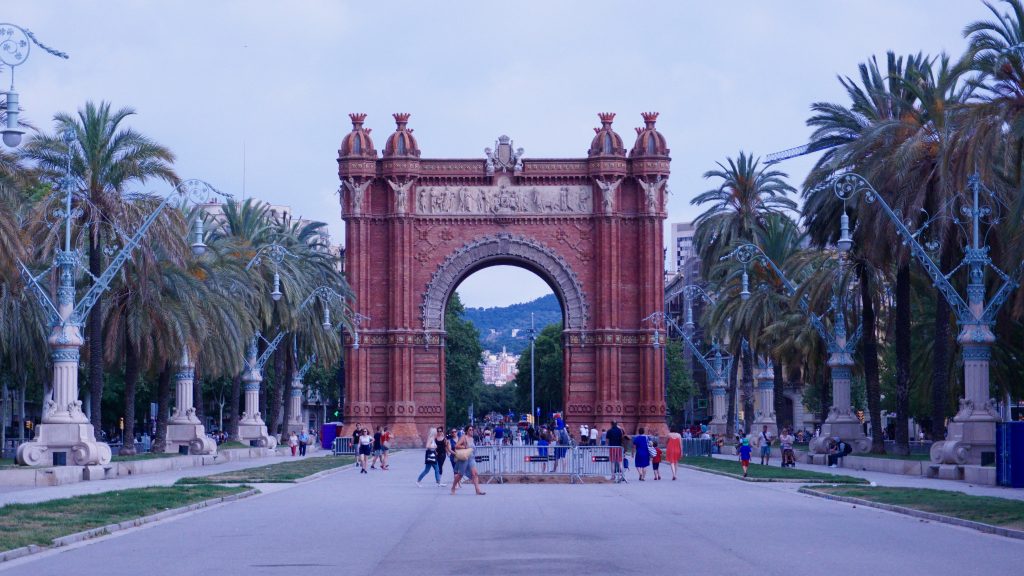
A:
[21,407]
[869,343]
[236,413]
[748,389]
[131,377]
[94,337]
[280,384]
[197,394]
[730,410]
[825,392]
[779,387]
[5,400]
[940,359]
[289,371]
[163,399]
[902,360]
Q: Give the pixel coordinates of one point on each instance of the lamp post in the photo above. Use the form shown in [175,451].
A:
[251,427]
[841,422]
[15,45]
[65,431]
[972,432]
[276,254]
[533,399]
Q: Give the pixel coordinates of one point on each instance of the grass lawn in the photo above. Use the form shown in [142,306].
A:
[987,509]
[768,472]
[143,456]
[24,524]
[281,472]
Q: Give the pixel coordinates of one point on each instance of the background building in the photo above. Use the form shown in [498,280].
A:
[499,369]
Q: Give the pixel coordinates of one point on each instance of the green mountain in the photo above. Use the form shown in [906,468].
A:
[503,326]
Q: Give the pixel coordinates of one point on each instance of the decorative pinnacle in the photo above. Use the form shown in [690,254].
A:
[606,118]
[357,120]
[650,118]
[401,118]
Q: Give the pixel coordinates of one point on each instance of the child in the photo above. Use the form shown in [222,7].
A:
[745,455]
[656,459]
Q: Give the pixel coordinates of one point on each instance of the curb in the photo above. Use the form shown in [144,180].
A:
[942,518]
[323,473]
[111,528]
[777,480]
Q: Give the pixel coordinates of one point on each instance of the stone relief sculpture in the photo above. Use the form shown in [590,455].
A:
[503,199]
[651,190]
[401,194]
[608,194]
[358,192]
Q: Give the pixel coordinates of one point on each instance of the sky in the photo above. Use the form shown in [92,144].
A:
[253,96]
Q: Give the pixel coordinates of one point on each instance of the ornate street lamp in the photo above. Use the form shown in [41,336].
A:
[841,420]
[276,253]
[65,429]
[972,431]
[15,45]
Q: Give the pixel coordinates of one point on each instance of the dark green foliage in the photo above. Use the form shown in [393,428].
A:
[463,377]
[548,387]
[678,383]
[496,324]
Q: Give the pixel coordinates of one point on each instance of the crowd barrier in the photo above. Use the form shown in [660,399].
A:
[343,446]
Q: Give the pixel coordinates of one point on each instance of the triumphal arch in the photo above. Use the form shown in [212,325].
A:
[591,227]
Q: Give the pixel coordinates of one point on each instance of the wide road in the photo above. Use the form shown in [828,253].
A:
[383,524]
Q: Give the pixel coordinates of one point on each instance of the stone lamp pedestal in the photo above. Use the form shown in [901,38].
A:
[295,422]
[65,435]
[184,428]
[841,422]
[765,416]
[251,427]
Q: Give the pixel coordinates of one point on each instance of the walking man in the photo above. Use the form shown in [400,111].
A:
[766,445]
[614,439]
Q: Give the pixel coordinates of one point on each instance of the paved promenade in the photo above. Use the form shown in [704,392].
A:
[383,524]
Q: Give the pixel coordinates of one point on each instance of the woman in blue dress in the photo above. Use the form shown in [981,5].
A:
[641,453]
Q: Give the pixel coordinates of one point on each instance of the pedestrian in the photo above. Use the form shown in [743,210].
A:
[641,453]
[385,447]
[584,435]
[365,447]
[444,450]
[615,453]
[453,438]
[561,450]
[765,439]
[376,448]
[499,434]
[303,442]
[674,451]
[786,445]
[293,442]
[542,449]
[745,455]
[355,439]
[465,464]
[656,455]
[430,459]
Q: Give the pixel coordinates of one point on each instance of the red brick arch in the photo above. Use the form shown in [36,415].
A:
[415,228]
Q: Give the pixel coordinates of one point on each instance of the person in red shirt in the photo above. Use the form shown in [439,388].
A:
[656,455]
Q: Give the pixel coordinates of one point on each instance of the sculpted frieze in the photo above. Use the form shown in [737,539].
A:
[503,199]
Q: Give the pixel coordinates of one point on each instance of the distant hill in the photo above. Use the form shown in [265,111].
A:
[497,325]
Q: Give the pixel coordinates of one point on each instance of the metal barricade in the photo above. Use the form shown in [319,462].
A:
[343,446]
[530,460]
[697,446]
[487,460]
[593,461]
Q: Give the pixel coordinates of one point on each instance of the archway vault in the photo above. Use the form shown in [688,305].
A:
[505,248]
[591,227]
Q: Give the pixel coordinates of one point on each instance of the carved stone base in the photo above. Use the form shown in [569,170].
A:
[296,427]
[850,432]
[191,435]
[716,428]
[258,432]
[965,442]
[75,439]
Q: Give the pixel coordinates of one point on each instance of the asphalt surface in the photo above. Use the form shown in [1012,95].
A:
[383,524]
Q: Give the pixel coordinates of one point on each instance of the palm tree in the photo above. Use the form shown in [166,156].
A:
[107,160]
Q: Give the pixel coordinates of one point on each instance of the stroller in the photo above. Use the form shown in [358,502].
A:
[788,458]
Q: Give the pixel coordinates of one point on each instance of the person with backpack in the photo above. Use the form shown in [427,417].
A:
[655,458]
[430,459]
[385,446]
[765,439]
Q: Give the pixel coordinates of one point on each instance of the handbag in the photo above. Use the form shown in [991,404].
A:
[463,454]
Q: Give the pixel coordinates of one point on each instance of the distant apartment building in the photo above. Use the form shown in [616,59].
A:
[499,369]
[683,258]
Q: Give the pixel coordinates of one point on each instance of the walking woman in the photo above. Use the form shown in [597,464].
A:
[443,451]
[430,463]
[465,464]
[674,451]
[365,444]
[641,453]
